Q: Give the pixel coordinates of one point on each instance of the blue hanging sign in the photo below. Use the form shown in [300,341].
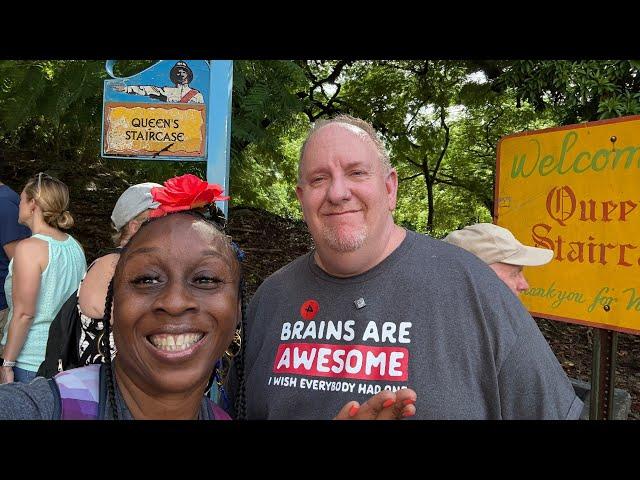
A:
[173,110]
[160,113]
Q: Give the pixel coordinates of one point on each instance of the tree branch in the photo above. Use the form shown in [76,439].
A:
[446,140]
[325,109]
[413,162]
[411,177]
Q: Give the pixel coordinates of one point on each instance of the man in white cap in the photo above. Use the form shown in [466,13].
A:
[127,212]
[497,247]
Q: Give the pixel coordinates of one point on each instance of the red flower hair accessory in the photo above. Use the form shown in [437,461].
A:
[186,192]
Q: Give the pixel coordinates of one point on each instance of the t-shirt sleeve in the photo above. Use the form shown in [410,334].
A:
[27,401]
[11,230]
[532,383]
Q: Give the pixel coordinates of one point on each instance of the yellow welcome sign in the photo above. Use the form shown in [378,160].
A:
[158,130]
[576,191]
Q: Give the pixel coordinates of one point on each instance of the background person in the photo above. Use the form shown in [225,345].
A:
[131,210]
[44,271]
[497,247]
[11,232]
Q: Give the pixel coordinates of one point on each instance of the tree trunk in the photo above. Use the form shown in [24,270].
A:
[430,212]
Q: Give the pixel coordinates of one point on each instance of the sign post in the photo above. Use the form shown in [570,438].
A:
[219,139]
[603,374]
[574,190]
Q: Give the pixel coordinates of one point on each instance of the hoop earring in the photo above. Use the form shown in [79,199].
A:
[236,344]
[223,365]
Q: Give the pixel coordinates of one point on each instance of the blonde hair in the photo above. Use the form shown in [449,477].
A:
[52,196]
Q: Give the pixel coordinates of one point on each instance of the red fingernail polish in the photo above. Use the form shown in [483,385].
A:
[353,410]
[408,414]
[388,403]
[408,401]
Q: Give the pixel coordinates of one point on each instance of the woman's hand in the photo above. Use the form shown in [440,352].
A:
[6,375]
[386,405]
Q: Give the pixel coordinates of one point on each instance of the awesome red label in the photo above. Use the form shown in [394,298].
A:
[340,361]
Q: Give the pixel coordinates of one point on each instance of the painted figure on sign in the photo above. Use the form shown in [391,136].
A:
[181,76]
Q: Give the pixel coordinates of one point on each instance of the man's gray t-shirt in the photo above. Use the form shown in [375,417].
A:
[431,317]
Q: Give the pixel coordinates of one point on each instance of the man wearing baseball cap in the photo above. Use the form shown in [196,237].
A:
[504,254]
[134,201]
[497,247]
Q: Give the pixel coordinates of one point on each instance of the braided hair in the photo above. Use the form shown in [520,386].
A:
[217,219]
[106,345]
[241,400]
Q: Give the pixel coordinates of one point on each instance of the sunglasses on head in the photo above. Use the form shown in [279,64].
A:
[40,175]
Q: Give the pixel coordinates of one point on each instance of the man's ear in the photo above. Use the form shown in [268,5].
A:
[391,184]
[133,227]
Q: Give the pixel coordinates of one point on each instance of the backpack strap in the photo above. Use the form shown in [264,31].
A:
[79,393]
[215,412]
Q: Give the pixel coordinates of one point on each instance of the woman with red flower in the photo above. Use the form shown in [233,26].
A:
[86,306]
[176,304]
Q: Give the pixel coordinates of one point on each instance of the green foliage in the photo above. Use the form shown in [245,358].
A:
[486,118]
[577,91]
[53,110]
[441,121]
[267,130]
[264,181]
[52,107]
[264,104]
[413,104]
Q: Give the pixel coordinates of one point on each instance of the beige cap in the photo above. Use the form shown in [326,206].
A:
[493,244]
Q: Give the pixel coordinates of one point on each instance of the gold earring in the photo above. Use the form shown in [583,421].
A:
[232,350]
[236,344]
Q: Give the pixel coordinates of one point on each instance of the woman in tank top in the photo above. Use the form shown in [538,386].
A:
[44,271]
